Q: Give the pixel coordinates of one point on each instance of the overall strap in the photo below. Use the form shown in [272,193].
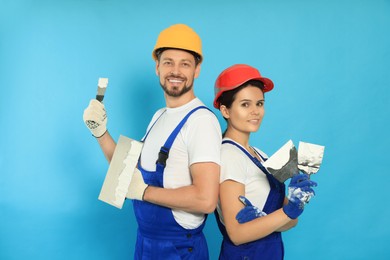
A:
[164,150]
[271,179]
[254,159]
[143,139]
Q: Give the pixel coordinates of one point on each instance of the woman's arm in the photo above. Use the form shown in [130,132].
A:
[292,223]
[252,230]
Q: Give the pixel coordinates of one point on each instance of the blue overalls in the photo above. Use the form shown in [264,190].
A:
[269,247]
[159,236]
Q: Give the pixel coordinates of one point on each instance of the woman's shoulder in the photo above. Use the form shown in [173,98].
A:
[230,150]
[263,154]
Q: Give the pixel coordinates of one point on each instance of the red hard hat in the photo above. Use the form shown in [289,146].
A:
[235,76]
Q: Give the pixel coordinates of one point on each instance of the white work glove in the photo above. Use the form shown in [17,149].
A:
[95,118]
[137,186]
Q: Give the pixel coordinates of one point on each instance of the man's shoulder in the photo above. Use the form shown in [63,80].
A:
[203,115]
[158,112]
[204,111]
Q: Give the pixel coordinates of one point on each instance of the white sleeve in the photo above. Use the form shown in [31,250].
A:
[234,164]
[203,137]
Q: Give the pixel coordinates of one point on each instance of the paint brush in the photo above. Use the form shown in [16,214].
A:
[102,85]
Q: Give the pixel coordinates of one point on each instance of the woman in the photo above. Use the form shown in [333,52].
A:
[251,231]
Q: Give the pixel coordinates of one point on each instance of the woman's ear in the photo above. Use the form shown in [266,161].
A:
[224,111]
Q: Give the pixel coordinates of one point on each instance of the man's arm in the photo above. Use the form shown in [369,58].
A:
[200,197]
[95,118]
[107,144]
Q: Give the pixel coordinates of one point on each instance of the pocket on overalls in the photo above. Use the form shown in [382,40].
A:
[145,211]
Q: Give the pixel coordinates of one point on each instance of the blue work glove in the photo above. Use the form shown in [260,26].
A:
[299,193]
[300,188]
[249,212]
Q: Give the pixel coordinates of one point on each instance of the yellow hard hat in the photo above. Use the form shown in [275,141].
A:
[179,36]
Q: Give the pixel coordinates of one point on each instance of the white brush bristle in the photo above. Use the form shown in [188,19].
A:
[103,82]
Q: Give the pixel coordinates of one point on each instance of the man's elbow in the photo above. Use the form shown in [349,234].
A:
[209,206]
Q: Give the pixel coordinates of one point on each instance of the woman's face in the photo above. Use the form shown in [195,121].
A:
[247,110]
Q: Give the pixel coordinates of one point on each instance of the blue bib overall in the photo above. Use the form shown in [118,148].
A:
[269,247]
[159,236]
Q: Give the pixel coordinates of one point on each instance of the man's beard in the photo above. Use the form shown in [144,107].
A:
[175,92]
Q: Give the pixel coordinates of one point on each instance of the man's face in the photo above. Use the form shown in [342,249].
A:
[177,71]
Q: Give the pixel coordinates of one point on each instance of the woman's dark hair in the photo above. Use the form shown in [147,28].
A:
[227,98]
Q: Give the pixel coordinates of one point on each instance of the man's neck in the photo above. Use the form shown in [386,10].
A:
[173,102]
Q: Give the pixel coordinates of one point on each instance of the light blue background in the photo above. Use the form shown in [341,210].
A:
[330,64]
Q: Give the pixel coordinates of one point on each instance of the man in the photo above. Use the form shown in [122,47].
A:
[180,158]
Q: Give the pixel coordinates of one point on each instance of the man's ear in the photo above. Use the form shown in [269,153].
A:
[197,71]
[157,64]
[224,111]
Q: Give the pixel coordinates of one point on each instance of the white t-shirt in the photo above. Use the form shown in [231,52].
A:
[198,141]
[237,166]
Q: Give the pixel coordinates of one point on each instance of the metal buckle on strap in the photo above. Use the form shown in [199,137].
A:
[163,156]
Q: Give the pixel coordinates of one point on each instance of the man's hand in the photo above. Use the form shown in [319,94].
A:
[95,118]
[249,212]
[137,186]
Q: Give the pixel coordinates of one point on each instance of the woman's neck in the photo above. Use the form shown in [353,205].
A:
[242,139]
[239,137]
